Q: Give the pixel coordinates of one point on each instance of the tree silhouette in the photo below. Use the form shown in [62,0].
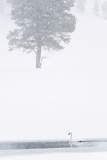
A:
[104,9]
[80,4]
[41,24]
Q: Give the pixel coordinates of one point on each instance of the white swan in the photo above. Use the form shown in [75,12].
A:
[75,143]
[70,140]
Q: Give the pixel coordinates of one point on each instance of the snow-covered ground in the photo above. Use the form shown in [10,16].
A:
[68,94]
[55,156]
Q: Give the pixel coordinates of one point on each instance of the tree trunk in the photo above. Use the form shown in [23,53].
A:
[38,56]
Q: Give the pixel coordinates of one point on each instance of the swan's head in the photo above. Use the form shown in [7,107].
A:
[69,133]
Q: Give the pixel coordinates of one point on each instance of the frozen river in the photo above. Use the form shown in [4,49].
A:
[87,149]
[39,147]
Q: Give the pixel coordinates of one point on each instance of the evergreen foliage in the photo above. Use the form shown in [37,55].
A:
[41,24]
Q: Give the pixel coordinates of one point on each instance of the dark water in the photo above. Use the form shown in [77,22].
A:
[35,147]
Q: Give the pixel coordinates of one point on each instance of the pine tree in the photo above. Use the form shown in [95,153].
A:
[104,9]
[80,4]
[41,24]
[96,8]
[2,6]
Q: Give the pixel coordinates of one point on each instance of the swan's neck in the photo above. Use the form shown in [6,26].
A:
[70,137]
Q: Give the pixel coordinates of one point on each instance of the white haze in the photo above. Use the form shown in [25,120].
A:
[68,94]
